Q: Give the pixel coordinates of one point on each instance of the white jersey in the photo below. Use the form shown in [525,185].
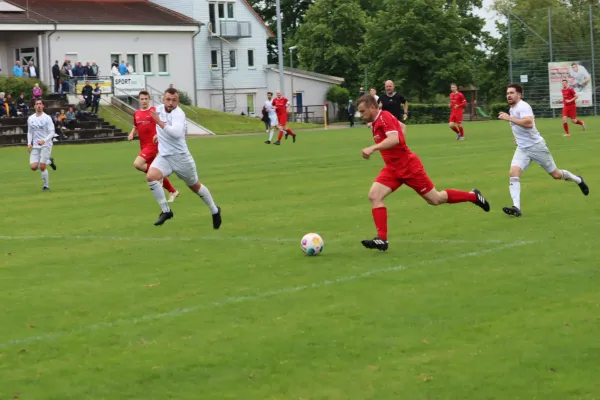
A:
[171,140]
[525,137]
[40,128]
[269,107]
[581,75]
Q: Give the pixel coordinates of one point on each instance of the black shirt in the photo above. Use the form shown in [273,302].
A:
[393,104]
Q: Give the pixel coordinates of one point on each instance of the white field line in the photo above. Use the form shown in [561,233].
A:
[228,238]
[50,337]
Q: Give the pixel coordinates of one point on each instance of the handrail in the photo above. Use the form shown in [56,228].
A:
[155,92]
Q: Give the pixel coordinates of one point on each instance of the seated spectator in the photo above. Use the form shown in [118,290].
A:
[3,109]
[11,109]
[71,117]
[82,112]
[22,106]
[37,92]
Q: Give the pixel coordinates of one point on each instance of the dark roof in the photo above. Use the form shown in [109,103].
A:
[136,12]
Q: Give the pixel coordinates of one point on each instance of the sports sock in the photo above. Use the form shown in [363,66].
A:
[159,195]
[515,191]
[205,195]
[568,176]
[289,131]
[579,122]
[458,196]
[566,128]
[167,185]
[380,218]
[462,131]
[46,178]
[271,133]
[280,136]
[455,129]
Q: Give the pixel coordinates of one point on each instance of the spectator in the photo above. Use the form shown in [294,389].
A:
[71,117]
[361,92]
[115,69]
[373,93]
[33,71]
[123,68]
[64,77]
[129,69]
[25,71]
[3,106]
[22,105]
[78,70]
[62,120]
[82,112]
[37,92]
[88,69]
[97,93]
[95,70]
[11,109]
[17,69]
[351,112]
[56,77]
[86,92]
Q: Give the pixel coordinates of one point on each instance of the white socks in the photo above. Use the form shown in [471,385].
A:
[515,191]
[271,133]
[567,176]
[45,178]
[207,198]
[159,195]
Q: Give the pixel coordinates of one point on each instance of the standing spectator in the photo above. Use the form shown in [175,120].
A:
[130,70]
[351,112]
[115,69]
[64,78]
[33,71]
[22,105]
[123,68]
[373,93]
[86,92]
[37,92]
[361,92]
[95,70]
[56,77]
[78,70]
[25,71]
[97,93]
[17,69]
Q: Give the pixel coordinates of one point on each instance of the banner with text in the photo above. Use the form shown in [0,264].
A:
[578,77]
[104,83]
[129,84]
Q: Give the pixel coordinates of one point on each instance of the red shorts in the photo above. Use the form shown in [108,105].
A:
[415,177]
[570,112]
[282,119]
[149,153]
[456,116]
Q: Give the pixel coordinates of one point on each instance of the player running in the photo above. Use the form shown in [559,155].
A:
[457,108]
[281,105]
[272,115]
[40,133]
[145,127]
[531,146]
[174,156]
[570,107]
[402,166]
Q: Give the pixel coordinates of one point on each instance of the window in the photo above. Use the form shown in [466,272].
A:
[115,58]
[250,58]
[230,10]
[221,7]
[214,59]
[132,60]
[232,60]
[250,100]
[147,63]
[163,63]
[212,16]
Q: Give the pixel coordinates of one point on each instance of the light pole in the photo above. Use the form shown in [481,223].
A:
[292,80]
[280,54]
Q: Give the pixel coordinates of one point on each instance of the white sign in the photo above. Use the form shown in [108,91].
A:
[578,78]
[524,79]
[129,84]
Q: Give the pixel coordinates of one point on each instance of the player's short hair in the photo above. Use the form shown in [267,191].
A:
[143,93]
[271,93]
[39,101]
[564,80]
[574,64]
[453,84]
[367,100]
[518,88]
[172,91]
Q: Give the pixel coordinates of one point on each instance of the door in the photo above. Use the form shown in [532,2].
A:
[27,54]
[298,102]
[250,101]
[212,17]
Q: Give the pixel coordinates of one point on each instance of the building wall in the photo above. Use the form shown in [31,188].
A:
[98,46]
[12,41]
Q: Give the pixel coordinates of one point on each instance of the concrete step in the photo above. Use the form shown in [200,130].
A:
[79,125]
[109,139]
[16,139]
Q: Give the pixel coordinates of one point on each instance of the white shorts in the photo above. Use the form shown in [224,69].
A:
[538,153]
[273,119]
[182,164]
[40,155]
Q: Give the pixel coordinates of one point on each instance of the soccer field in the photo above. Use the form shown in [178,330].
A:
[97,303]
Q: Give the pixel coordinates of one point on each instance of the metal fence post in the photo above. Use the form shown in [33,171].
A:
[593,60]
[550,48]
[510,66]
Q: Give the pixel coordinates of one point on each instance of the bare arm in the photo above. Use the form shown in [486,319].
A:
[406,107]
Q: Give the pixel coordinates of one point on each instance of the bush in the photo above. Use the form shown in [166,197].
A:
[16,86]
[184,98]
[427,113]
[497,108]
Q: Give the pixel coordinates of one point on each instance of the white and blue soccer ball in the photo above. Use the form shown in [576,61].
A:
[312,244]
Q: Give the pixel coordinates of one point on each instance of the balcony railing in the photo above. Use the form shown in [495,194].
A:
[235,29]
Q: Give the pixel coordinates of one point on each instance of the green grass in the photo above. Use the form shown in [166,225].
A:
[116,117]
[97,303]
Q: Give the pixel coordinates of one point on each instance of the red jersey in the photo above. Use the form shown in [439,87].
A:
[146,126]
[398,157]
[568,94]
[280,105]
[457,99]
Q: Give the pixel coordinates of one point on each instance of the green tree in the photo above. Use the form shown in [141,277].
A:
[330,38]
[338,96]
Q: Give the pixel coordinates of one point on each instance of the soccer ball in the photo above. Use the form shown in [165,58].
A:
[312,244]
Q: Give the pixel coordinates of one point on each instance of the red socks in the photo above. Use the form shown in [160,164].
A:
[462,131]
[579,122]
[280,136]
[458,196]
[289,131]
[380,218]
[566,127]
[167,185]
[455,129]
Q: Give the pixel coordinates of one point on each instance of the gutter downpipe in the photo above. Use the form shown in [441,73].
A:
[50,65]
[194,57]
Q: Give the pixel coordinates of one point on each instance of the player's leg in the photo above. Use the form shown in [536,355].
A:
[280,126]
[289,132]
[159,169]
[273,124]
[519,163]
[45,159]
[565,113]
[461,130]
[541,155]
[185,168]
[423,186]
[385,183]
[452,124]
[140,163]
[573,116]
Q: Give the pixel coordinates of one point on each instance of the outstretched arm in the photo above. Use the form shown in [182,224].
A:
[525,122]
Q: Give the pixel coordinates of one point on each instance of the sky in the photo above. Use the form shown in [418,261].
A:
[489,16]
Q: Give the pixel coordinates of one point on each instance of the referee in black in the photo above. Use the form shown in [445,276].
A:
[393,102]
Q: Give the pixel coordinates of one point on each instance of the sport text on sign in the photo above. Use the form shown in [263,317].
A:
[129,84]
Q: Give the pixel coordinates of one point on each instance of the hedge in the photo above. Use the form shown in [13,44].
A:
[16,86]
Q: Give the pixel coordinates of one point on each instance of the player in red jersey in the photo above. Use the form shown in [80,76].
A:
[570,107]
[402,166]
[281,104]
[145,127]
[457,107]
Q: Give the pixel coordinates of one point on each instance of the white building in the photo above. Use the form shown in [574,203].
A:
[231,57]
[156,41]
